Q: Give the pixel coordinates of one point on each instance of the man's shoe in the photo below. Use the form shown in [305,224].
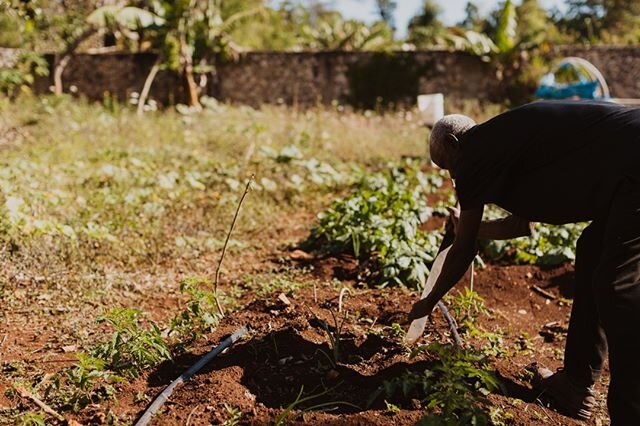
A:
[570,399]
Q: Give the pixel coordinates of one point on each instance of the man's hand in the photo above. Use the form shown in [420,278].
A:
[421,308]
[454,217]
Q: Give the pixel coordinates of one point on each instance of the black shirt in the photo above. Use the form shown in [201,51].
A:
[550,161]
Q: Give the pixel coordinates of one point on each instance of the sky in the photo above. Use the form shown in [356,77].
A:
[452,10]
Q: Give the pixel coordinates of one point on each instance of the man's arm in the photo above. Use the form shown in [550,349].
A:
[505,229]
[460,256]
[501,229]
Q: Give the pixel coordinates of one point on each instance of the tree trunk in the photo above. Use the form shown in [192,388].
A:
[144,94]
[61,64]
[187,63]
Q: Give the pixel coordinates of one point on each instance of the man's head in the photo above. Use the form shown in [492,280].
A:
[445,137]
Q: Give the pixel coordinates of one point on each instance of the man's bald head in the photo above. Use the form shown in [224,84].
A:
[443,145]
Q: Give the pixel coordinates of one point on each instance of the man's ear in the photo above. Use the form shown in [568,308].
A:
[452,141]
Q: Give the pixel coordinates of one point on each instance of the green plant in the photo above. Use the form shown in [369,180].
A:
[27,67]
[335,338]
[201,314]
[283,417]
[31,418]
[548,244]
[88,381]
[454,387]
[131,347]
[380,222]
[234,415]
[467,306]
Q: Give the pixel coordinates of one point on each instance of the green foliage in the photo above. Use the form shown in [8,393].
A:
[31,418]
[467,306]
[386,80]
[454,387]
[234,415]
[132,347]
[300,400]
[505,37]
[425,27]
[379,222]
[548,245]
[201,314]
[602,21]
[23,73]
[334,33]
[87,382]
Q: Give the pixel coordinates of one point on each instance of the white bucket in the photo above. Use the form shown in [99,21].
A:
[431,108]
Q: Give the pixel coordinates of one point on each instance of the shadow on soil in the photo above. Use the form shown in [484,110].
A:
[281,365]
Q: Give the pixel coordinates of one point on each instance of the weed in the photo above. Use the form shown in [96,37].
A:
[234,415]
[391,408]
[335,337]
[467,306]
[201,314]
[454,387]
[31,418]
[86,382]
[131,347]
[282,418]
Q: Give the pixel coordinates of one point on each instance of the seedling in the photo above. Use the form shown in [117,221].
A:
[131,348]
[282,418]
[201,314]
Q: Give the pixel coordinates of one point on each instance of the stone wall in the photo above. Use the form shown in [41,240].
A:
[363,79]
[358,78]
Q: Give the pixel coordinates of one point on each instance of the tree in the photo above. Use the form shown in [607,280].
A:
[472,20]
[335,33]
[386,8]
[602,20]
[425,27]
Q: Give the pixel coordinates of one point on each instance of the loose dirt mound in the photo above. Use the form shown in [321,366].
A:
[290,350]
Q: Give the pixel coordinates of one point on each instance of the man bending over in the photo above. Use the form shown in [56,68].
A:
[560,162]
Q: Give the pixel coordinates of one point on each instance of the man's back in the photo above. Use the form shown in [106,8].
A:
[550,161]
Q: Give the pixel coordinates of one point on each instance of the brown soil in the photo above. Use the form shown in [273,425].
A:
[288,348]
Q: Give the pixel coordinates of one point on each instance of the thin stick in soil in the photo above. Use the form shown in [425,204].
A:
[226,243]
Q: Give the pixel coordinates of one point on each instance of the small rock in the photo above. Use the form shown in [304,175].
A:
[332,374]
[300,255]
[522,312]
[284,299]
[529,275]
[285,360]
[69,348]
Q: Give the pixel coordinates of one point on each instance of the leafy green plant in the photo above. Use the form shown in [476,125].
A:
[31,418]
[88,381]
[467,306]
[548,245]
[454,387]
[201,314]
[27,67]
[132,347]
[234,415]
[283,417]
[379,222]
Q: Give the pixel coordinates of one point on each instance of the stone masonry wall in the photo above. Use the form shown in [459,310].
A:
[363,79]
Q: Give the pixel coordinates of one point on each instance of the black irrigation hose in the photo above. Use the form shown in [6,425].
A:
[166,393]
[453,326]
[447,240]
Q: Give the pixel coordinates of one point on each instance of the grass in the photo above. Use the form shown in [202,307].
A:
[102,209]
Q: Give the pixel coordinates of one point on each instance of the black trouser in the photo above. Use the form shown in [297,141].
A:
[606,307]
